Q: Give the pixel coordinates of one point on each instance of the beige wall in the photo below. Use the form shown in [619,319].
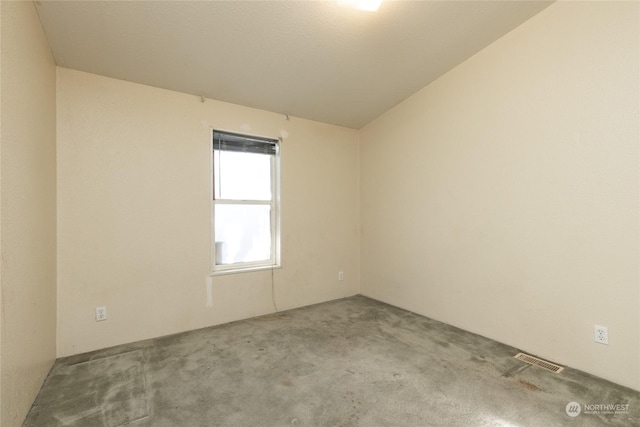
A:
[134,213]
[503,198]
[27,210]
[1,293]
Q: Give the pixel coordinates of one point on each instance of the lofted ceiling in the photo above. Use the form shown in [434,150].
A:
[311,59]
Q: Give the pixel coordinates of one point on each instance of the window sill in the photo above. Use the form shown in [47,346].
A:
[237,270]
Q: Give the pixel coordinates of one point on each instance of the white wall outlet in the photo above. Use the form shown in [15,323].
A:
[101,313]
[340,275]
[601,334]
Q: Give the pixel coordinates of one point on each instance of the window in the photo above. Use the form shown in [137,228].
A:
[246,202]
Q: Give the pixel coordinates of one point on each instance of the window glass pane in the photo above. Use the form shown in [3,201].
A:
[242,176]
[243,233]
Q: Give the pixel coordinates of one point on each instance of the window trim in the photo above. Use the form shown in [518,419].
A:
[275,218]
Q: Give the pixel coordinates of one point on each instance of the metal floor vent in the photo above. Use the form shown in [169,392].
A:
[532,360]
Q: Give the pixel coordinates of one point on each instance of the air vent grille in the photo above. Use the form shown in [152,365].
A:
[532,360]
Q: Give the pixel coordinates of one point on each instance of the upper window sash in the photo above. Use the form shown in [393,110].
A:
[239,163]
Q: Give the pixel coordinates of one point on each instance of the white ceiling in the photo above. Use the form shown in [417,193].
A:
[311,59]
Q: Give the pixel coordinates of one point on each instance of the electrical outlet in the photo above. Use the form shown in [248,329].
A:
[601,334]
[101,313]
[340,275]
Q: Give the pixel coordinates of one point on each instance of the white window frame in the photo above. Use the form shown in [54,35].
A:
[274,203]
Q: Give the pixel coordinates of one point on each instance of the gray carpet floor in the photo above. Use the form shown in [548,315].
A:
[350,362]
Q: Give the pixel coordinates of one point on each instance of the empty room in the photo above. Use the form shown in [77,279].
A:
[319,213]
